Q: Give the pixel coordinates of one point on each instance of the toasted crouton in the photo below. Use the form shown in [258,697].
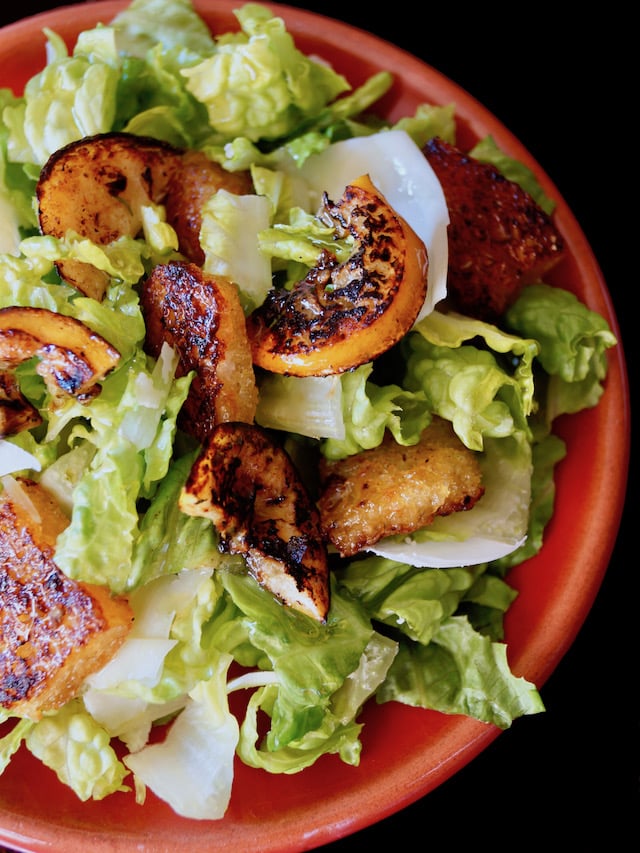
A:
[393,489]
[201,317]
[54,631]
[500,239]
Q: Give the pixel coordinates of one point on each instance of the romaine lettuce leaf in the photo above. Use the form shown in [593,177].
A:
[368,410]
[460,672]
[72,97]
[144,24]
[133,422]
[306,405]
[311,661]
[79,751]
[430,120]
[573,342]
[192,768]
[468,385]
[408,599]
[229,233]
[257,84]
[11,741]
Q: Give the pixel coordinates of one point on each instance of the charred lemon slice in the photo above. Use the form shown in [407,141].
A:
[97,187]
[73,359]
[345,314]
[251,491]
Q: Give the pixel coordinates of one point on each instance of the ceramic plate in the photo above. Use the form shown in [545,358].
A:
[406,752]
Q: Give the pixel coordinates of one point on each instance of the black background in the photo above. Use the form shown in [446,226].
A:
[560,82]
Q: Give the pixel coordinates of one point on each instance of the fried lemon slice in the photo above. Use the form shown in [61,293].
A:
[249,488]
[345,314]
[97,187]
[72,360]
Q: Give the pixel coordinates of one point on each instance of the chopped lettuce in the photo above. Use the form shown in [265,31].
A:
[144,24]
[257,84]
[460,672]
[369,409]
[79,751]
[442,663]
[469,386]
[306,405]
[133,422]
[192,769]
[228,236]
[573,341]
[72,97]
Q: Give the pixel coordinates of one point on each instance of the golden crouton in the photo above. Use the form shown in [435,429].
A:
[500,239]
[394,489]
[54,631]
[201,317]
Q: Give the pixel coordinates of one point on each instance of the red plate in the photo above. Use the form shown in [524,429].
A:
[406,752]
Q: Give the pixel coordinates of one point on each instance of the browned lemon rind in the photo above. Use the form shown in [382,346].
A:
[343,315]
[97,187]
[73,359]
[201,317]
[54,631]
[393,489]
[16,412]
[249,488]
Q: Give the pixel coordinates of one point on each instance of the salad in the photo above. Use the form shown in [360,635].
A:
[414,619]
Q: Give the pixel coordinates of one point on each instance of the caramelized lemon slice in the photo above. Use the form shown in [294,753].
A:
[343,315]
[73,359]
[97,187]
[249,488]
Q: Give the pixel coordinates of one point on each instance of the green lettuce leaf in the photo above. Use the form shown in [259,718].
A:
[144,24]
[369,409]
[79,751]
[192,768]
[257,84]
[310,660]
[460,672]
[72,97]
[412,600]
[573,343]
[484,392]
